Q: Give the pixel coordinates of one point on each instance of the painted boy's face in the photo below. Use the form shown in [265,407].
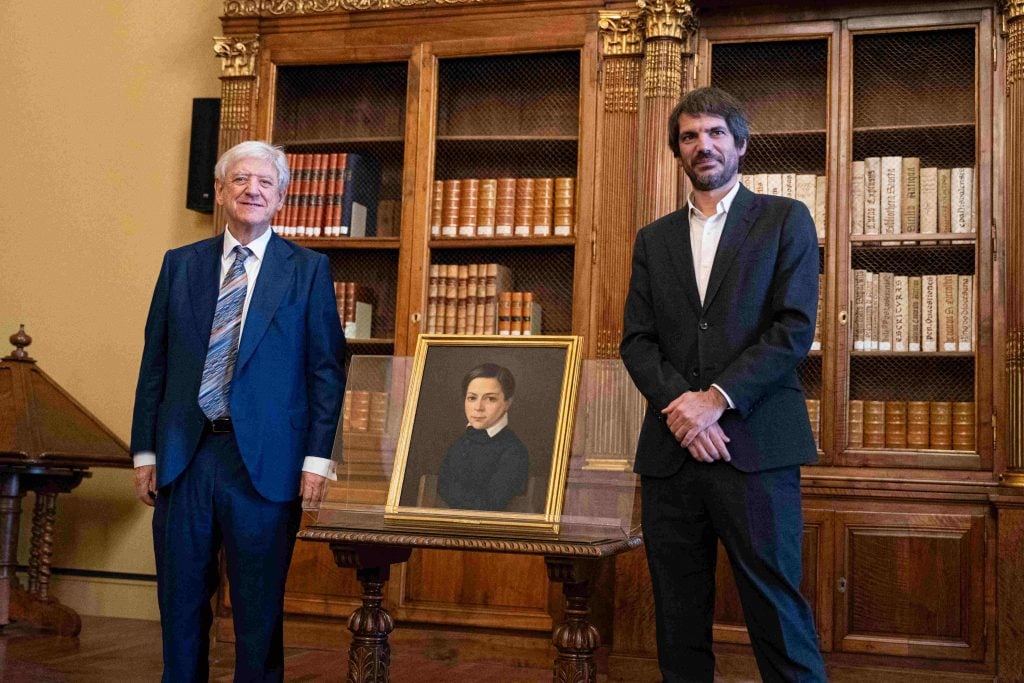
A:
[485,402]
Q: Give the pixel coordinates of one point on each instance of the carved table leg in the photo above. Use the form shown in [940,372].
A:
[576,638]
[43,517]
[369,655]
[10,522]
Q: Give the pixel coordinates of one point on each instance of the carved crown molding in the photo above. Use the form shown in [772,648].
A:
[667,18]
[237,54]
[278,8]
[621,33]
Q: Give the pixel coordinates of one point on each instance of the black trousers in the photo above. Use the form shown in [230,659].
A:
[758,519]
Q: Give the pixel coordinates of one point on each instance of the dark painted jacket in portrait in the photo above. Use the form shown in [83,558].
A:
[481,472]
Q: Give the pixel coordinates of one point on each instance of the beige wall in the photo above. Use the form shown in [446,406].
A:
[95,107]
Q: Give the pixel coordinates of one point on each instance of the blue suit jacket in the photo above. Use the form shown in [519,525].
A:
[755,326]
[289,376]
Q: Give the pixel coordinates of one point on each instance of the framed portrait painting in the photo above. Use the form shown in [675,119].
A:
[486,434]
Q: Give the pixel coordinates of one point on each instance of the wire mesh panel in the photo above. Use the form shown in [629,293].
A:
[349,108]
[913,301]
[506,161]
[783,86]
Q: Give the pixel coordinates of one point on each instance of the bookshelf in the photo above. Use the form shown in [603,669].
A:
[909,547]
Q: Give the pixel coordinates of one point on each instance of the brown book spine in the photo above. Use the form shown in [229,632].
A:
[504,207]
[486,210]
[963,426]
[359,412]
[523,223]
[855,424]
[338,195]
[491,322]
[302,162]
[432,289]
[437,209]
[350,302]
[895,424]
[874,424]
[515,324]
[469,202]
[917,424]
[527,316]
[940,425]
[450,209]
[814,416]
[378,414]
[543,206]
[320,195]
[564,214]
[505,314]
[472,277]
[451,300]
[462,289]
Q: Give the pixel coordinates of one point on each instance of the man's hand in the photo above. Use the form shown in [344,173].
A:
[709,445]
[145,484]
[312,488]
[692,412]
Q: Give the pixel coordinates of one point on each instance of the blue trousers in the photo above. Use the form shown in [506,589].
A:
[757,518]
[213,505]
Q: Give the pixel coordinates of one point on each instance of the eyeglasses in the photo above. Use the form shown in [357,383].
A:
[242,180]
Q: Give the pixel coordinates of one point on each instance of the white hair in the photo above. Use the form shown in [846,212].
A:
[254,149]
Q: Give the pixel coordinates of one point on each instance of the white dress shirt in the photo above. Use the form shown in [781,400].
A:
[705,234]
[325,467]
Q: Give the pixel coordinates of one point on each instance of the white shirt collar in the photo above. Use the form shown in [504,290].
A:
[496,427]
[258,246]
[723,204]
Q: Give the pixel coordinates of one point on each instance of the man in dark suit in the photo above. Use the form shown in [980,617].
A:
[235,416]
[720,311]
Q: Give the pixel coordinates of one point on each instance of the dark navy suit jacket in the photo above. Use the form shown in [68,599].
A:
[753,329]
[289,376]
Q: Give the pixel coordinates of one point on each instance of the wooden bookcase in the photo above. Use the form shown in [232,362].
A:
[911,553]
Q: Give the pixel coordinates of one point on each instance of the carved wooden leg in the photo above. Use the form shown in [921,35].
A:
[43,517]
[10,522]
[370,655]
[576,638]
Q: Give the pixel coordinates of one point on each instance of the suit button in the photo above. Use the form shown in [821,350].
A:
[694,372]
[704,325]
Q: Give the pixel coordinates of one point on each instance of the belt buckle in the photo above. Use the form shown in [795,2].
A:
[222,425]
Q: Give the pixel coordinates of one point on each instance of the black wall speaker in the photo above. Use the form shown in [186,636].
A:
[202,153]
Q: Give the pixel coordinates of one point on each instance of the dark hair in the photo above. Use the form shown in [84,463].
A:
[716,103]
[495,371]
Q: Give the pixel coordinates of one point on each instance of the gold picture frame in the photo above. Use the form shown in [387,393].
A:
[459,465]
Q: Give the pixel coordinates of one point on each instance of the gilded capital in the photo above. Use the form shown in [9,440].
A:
[237,54]
[620,33]
[1012,9]
[667,18]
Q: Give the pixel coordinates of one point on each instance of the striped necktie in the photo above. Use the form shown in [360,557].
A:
[227,325]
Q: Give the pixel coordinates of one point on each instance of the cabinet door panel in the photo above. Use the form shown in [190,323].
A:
[911,584]
[475,589]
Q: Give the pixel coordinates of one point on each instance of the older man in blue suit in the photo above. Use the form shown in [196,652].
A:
[236,410]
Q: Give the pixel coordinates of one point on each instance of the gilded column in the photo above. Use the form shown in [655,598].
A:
[1014,155]
[669,27]
[238,92]
[621,61]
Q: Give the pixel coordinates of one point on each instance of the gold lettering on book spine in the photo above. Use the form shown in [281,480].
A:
[1013,15]
[278,8]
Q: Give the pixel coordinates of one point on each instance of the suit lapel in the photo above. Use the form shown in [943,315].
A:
[678,248]
[742,213]
[274,280]
[204,285]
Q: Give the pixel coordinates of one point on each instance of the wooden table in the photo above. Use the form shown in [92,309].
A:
[571,562]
